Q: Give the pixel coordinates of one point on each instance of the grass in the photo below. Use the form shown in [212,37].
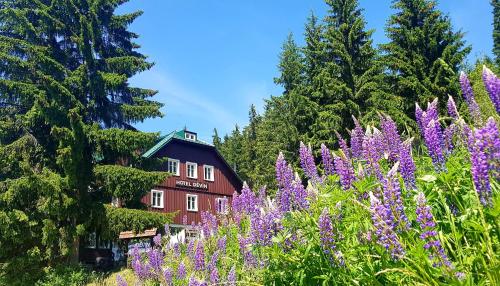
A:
[109,279]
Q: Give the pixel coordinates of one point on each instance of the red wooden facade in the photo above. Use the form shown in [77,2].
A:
[176,188]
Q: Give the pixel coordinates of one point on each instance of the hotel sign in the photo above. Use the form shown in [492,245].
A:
[194,185]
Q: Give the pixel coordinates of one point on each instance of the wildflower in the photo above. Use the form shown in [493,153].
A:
[452,108]
[383,221]
[344,168]
[214,276]
[485,159]
[177,250]
[429,233]
[181,271]
[167,229]
[327,237]
[213,260]
[157,240]
[155,259]
[284,176]
[263,227]
[248,257]
[231,277]
[492,84]
[393,201]
[299,194]
[357,135]
[190,248]
[142,271]
[167,275]
[433,136]
[469,98]
[120,281]
[424,117]
[449,134]
[392,140]
[221,243]
[327,160]
[372,151]
[343,145]
[307,163]
[407,165]
[199,256]
[209,223]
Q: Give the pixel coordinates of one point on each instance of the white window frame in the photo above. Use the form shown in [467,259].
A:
[190,136]
[178,172]
[211,172]
[195,209]
[195,170]
[219,206]
[161,205]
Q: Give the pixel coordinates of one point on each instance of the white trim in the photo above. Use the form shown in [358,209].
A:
[178,171]
[161,199]
[212,173]
[195,170]
[195,209]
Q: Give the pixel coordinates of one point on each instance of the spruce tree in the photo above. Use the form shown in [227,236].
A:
[496,30]
[216,141]
[424,53]
[291,66]
[67,137]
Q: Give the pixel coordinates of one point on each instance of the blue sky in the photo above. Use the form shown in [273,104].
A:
[214,58]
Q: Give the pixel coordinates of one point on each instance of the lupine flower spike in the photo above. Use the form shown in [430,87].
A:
[492,84]
[383,221]
[429,233]
[452,108]
[307,163]
[357,135]
[407,165]
[469,98]
[393,200]
[344,169]
[328,238]
[326,157]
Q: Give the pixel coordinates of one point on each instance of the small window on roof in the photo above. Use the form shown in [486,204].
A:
[190,136]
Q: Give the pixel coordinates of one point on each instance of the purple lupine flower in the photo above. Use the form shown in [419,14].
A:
[343,145]
[433,137]
[492,84]
[167,229]
[181,271]
[485,159]
[213,260]
[209,223]
[326,157]
[284,176]
[157,240]
[264,226]
[155,260]
[344,168]
[221,243]
[231,277]
[372,147]
[120,281]
[167,275]
[407,165]
[357,135]
[429,233]
[469,98]
[184,220]
[142,271]
[193,281]
[449,134]
[419,116]
[190,248]
[262,196]
[299,194]
[248,257]
[392,140]
[383,221]
[177,250]
[307,163]
[328,237]
[393,200]
[452,108]
[214,276]
[199,256]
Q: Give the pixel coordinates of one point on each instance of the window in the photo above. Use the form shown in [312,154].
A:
[173,166]
[209,172]
[192,203]
[190,136]
[222,205]
[157,199]
[191,170]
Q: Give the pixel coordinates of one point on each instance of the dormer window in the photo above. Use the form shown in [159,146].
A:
[190,135]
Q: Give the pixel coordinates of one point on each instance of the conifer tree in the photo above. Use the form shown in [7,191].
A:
[67,137]
[496,30]
[291,66]
[424,53]
[216,141]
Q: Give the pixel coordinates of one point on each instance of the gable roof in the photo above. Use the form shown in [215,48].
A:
[181,135]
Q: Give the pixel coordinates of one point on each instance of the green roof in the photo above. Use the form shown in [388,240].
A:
[180,135]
